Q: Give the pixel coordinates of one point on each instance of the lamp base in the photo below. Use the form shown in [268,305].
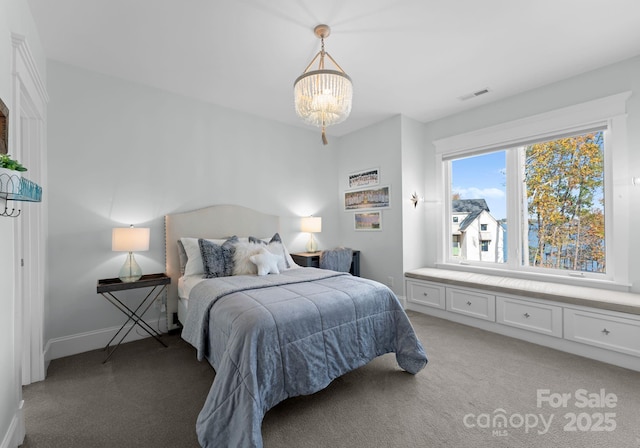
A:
[130,271]
[312,246]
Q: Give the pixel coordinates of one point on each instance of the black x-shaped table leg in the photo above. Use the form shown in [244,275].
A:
[132,315]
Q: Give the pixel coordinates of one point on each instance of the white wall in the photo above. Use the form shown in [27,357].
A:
[122,153]
[377,146]
[414,219]
[616,78]
[15,17]
[396,147]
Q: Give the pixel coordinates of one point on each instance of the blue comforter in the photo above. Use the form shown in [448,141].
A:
[280,336]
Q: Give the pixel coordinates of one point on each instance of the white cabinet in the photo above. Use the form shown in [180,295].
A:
[426,293]
[528,315]
[612,332]
[471,303]
[610,336]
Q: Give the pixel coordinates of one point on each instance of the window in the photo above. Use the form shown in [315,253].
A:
[478,198]
[539,195]
[564,193]
[562,210]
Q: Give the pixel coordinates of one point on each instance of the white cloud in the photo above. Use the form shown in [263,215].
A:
[478,193]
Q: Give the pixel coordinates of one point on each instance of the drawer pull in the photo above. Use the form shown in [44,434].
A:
[469,303]
[425,294]
[527,315]
[606,332]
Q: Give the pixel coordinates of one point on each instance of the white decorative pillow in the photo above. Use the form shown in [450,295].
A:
[194,265]
[266,262]
[278,250]
[242,265]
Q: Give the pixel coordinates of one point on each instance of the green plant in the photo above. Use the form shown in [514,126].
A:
[7,162]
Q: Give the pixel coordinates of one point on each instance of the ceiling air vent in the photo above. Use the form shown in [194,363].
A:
[475,94]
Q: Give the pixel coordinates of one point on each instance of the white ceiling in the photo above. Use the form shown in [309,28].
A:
[411,57]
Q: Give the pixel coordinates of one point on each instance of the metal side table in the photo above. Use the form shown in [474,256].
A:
[108,286]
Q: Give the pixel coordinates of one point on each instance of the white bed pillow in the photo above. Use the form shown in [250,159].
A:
[278,249]
[242,264]
[182,257]
[194,264]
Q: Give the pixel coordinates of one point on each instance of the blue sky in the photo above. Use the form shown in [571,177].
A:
[482,177]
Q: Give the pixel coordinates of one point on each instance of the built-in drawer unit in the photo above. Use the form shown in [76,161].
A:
[603,330]
[425,293]
[471,303]
[560,316]
[532,316]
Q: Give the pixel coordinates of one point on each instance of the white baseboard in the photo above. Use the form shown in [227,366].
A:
[92,340]
[15,433]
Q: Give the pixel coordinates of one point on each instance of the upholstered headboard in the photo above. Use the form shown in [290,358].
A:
[218,221]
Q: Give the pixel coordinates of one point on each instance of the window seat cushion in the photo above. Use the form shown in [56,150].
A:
[624,302]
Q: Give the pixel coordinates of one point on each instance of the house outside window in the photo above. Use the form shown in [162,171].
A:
[544,203]
[474,240]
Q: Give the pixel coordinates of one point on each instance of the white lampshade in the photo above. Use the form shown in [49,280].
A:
[130,239]
[311,224]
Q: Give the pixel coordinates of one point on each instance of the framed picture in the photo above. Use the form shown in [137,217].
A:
[367,221]
[367,199]
[364,178]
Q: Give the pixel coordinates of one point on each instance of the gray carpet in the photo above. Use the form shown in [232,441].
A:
[149,396]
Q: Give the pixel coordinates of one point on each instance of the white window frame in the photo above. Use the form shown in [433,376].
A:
[609,112]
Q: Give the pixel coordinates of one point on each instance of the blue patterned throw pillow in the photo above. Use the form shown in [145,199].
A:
[217,259]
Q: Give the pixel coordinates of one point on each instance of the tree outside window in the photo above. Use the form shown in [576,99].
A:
[565,198]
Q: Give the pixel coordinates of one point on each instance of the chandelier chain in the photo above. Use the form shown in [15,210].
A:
[322,53]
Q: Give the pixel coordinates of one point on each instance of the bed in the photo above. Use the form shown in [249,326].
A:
[288,332]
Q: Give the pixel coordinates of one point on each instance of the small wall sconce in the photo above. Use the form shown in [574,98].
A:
[415,199]
[311,225]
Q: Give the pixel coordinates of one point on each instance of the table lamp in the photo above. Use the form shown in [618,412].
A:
[130,239]
[311,225]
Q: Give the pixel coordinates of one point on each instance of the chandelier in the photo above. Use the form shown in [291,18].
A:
[323,96]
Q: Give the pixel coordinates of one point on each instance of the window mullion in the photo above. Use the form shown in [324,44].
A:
[514,221]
